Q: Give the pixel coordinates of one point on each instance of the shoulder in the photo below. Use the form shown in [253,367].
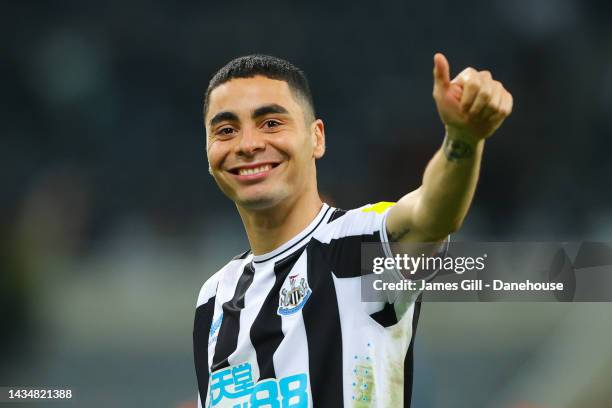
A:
[365,220]
[209,288]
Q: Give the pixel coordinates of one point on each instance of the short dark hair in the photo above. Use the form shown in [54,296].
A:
[250,66]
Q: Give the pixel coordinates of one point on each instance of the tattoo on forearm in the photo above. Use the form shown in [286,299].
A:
[455,149]
[395,236]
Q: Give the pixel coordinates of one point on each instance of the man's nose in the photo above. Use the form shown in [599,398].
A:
[250,142]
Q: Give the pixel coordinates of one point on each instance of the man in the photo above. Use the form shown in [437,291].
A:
[283,324]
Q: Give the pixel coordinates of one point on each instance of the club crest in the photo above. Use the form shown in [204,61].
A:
[293,295]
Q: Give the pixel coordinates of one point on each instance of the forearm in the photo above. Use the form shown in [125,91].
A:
[448,184]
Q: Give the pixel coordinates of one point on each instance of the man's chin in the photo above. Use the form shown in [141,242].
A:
[258,202]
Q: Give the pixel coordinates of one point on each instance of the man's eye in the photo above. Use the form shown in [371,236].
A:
[228,131]
[271,123]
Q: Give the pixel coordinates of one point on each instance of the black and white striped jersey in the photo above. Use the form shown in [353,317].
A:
[289,329]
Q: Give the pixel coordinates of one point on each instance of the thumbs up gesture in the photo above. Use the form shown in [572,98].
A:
[473,103]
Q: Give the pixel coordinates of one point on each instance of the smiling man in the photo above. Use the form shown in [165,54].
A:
[283,324]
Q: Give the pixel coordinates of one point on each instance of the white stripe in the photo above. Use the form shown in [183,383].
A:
[209,288]
[291,356]
[365,342]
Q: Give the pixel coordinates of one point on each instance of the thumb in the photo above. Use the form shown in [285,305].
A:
[441,71]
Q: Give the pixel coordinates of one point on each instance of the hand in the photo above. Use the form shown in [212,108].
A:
[473,104]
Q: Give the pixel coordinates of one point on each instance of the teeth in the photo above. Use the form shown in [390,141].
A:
[260,169]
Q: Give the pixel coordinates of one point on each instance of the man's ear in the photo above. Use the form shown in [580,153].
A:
[206,151]
[317,130]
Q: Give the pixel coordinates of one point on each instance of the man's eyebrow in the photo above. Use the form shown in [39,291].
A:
[223,116]
[267,109]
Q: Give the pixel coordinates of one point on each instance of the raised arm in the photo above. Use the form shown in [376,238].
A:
[472,106]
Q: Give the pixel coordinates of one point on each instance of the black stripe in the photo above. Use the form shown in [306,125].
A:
[336,214]
[227,339]
[296,243]
[409,359]
[344,254]
[322,323]
[267,331]
[201,329]
[386,317]
[241,256]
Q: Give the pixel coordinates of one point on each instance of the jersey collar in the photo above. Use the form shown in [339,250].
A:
[296,242]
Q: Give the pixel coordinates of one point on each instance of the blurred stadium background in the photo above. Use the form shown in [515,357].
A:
[110,222]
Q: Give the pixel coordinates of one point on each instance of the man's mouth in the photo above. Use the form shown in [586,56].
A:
[245,172]
[253,170]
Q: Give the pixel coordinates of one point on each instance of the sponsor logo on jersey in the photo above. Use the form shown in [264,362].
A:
[236,387]
[293,295]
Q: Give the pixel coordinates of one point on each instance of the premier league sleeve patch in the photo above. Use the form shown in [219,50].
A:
[293,295]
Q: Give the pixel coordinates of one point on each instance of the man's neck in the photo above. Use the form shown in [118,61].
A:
[270,228]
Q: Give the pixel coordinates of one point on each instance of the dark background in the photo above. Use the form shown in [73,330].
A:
[110,223]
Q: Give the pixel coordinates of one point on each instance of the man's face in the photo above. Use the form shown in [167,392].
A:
[260,147]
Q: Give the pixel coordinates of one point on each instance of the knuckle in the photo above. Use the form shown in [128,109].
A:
[472,85]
